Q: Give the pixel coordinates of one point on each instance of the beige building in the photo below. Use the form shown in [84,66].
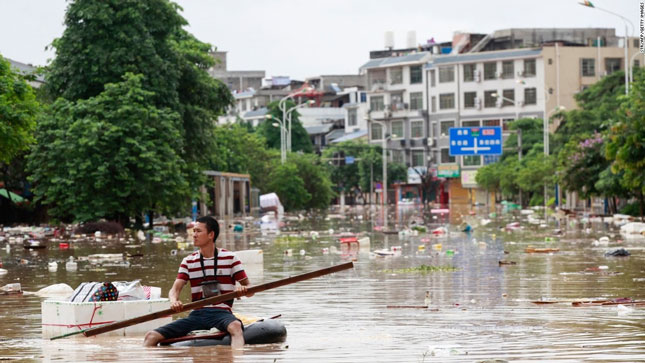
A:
[569,70]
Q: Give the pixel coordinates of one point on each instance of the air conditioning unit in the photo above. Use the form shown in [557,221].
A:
[477,75]
[430,142]
[403,142]
[412,142]
[499,102]
[478,103]
[424,142]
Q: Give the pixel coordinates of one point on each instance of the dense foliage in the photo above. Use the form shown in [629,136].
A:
[599,147]
[110,156]
[159,83]
[18,112]
[510,175]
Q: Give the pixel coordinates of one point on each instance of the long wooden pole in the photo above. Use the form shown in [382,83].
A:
[208,301]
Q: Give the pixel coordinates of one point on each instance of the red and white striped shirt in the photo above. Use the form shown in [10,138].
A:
[229,271]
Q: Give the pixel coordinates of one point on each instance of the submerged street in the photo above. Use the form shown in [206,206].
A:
[478,308]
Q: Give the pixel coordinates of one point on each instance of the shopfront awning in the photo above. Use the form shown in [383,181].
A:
[14,197]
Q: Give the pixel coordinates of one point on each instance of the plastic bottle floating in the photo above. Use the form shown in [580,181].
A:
[52,266]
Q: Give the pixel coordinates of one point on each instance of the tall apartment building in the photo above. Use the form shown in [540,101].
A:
[484,81]
[397,94]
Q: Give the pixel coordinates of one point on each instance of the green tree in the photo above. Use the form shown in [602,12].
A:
[581,164]
[301,183]
[625,146]
[239,151]
[111,156]
[289,186]
[300,140]
[18,112]
[105,39]
[201,99]
[316,180]
[343,175]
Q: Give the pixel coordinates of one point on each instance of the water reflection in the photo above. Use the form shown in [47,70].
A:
[481,311]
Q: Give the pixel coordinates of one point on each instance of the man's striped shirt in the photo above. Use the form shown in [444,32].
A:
[229,271]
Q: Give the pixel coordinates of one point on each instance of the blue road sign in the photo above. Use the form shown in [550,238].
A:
[475,141]
[349,160]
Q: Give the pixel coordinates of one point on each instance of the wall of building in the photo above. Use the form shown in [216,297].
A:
[563,72]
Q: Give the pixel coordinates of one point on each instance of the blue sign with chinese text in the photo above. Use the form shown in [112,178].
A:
[475,141]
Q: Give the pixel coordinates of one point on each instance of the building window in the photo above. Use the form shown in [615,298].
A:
[472,160]
[529,67]
[636,43]
[446,101]
[469,72]
[489,70]
[377,132]
[506,123]
[445,127]
[416,75]
[432,78]
[612,65]
[416,100]
[376,103]
[508,69]
[396,75]
[446,74]
[508,98]
[637,63]
[397,130]
[434,129]
[490,123]
[416,129]
[396,101]
[530,96]
[417,158]
[363,97]
[469,99]
[434,103]
[445,156]
[398,156]
[376,77]
[588,67]
[489,100]
[474,123]
[351,117]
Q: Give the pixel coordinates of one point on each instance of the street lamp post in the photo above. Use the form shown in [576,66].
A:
[547,119]
[282,104]
[289,113]
[627,65]
[283,147]
[384,188]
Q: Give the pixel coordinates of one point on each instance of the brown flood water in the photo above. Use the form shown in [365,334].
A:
[480,311]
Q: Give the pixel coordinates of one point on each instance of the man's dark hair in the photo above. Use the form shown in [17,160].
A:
[211,225]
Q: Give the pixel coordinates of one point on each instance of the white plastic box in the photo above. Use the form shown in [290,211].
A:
[62,317]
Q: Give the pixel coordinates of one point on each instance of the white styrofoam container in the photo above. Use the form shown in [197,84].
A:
[62,317]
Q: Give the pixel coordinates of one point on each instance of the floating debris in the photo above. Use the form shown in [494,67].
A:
[423,269]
